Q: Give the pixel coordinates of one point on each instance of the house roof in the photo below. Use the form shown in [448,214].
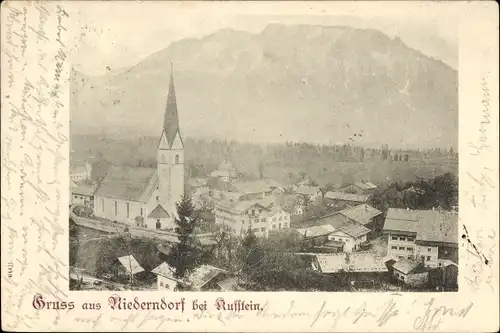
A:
[362,213]
[255,186]
[197,279]
[307,190]
[405,266]
[159,213]
[366,262]
[361,198]
[83,190]
[316,231]
[365,185]
[77,169]
[429,225]
[352,262]
[354,229]
[130,264]
[219,173]
[335,220]
[197,182]
[128,183]
[331,263]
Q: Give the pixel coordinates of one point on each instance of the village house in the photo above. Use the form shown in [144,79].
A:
[410,272]
[226,172]
[317,237]
[262,216]
[340,199]
[430,236]
[290,204]
[82,195]
[366,215]
[343,230]
[311,193]
[360,187]
[203,278]
[362,267]
[126,268]
[147,197]
[78,173]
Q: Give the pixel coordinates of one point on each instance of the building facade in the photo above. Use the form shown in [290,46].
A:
[429,236]
[260,216]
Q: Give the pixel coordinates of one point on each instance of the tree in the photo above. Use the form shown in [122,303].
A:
[249,252]
[186,255]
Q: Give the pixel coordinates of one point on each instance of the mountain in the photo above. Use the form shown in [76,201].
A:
[296,83]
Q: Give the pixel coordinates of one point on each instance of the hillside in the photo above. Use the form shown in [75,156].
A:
[296,83]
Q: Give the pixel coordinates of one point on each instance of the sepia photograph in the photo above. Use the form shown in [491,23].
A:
[265,153]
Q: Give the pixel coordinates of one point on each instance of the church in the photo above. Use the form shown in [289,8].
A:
[147,197]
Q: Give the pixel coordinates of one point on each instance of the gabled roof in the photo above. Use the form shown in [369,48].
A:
[197,279]
[307,190]
[362,213]
[130,264]
[171,120]
[316,231]
[83,190]
[159,213]
[351,262]
[354,229]
[249,187]
[429,225]
[128,183]
[361,198]
[405,266]
[336,220]
[365,185]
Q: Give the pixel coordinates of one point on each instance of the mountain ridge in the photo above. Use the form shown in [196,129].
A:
[345,81]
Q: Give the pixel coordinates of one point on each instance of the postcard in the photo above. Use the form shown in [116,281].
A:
[186,166]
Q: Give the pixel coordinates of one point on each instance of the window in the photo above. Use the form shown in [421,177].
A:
[158,224]
[392,247]
[402,238]
[428,258]
[262,229]
[410,249]
[263,220]
[409,257]
[161,284]
[157,198]
[279,226]
[116,208]
[176,159]
[141,212]
[429,249]
[257,220]
[401,248]
[410,239]
[253,212]
[394,238]
[400,257]
[285,225]
[128,210]
[402,278]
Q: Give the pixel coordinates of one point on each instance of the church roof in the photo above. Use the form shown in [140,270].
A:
[171,121]
[128,183]
[158,213]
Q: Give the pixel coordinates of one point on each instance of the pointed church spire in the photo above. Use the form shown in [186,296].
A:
[171,121]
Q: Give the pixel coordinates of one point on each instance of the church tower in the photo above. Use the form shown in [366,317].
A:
[170,157]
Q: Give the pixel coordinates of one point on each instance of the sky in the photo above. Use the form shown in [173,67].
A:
[123,34]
